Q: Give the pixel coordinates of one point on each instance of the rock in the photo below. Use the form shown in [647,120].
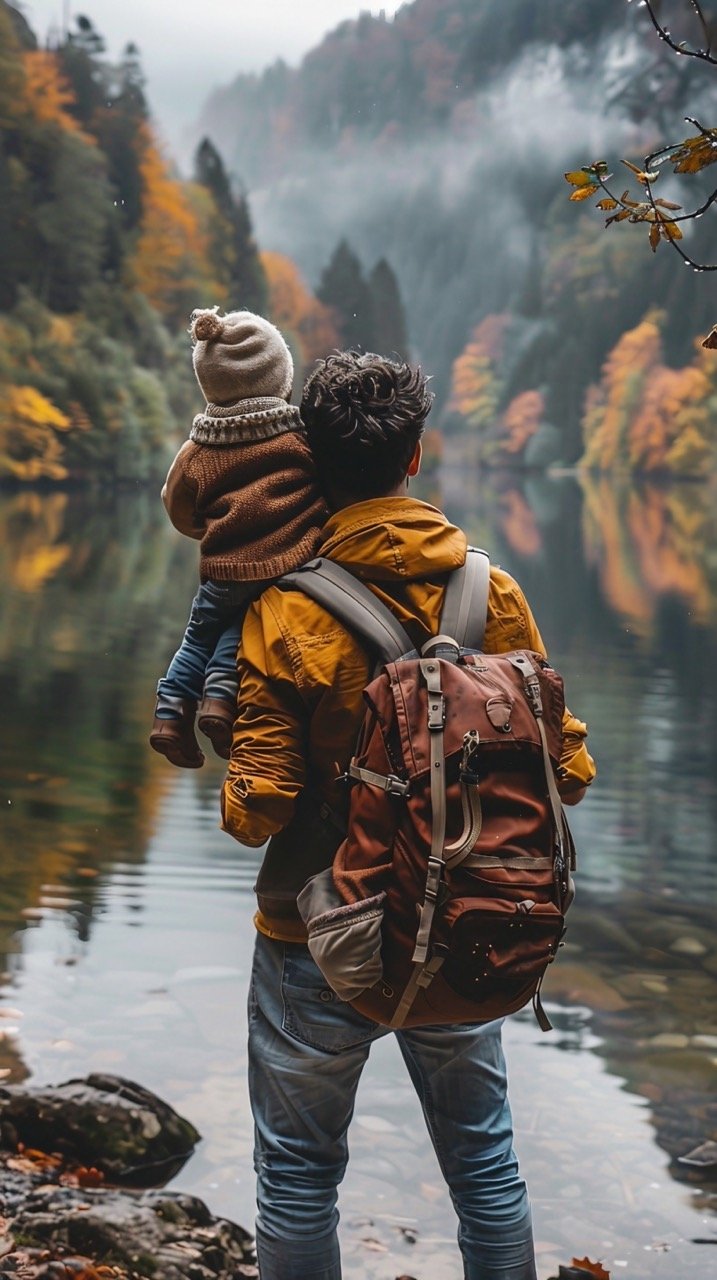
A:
[119,1127]
[704,1042]
[670,1040]
[152,1233]
[688,947]
[703,1157]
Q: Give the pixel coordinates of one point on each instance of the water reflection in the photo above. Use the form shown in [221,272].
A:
[125,915]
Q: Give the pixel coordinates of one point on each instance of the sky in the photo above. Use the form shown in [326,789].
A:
[189,47]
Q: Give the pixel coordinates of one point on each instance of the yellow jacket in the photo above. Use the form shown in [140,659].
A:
[301,680]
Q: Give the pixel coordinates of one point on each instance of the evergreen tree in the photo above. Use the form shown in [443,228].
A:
[79,60]
[343,288]
[389,319]
[233,252]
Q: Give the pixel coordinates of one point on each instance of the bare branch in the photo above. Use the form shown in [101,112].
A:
[704,55]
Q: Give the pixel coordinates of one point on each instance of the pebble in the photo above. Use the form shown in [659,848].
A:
[688,947]
[670,1040]
[704,1042]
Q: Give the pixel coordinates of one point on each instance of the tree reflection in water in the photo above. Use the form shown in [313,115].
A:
[622,581]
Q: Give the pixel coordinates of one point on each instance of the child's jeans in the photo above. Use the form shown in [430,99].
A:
[206,662]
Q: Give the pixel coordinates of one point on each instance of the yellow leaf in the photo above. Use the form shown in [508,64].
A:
[606,203]
[654,237]
[696,153]
[619,217]
[584,193]
[579,178]
[671,230]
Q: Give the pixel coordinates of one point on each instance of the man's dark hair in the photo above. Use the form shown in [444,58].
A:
[364,416]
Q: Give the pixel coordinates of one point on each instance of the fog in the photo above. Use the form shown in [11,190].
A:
[189,48]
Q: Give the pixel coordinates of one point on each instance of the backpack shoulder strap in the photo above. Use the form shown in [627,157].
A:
[465,605]
[353,604]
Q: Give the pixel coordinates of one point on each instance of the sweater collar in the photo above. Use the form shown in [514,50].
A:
[245,421]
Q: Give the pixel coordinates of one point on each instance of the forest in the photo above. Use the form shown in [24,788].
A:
[104,253]
[400,190]
[439,138]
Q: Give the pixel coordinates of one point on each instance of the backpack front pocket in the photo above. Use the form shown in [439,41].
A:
[493,946]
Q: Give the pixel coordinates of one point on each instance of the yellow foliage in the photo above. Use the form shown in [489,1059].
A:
[169,259]
[32,570]
[649,543]
[636,418]
[46,93]
[29,446]
[28,405]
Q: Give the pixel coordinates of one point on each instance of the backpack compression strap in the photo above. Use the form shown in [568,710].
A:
[353,604]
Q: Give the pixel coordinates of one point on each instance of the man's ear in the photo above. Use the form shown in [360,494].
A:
[414,465]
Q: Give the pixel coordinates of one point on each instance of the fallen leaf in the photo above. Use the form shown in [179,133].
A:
[592,1268]
[375,1246]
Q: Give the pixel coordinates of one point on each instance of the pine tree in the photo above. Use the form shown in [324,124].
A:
[233,252]
[344,289]
[389,319]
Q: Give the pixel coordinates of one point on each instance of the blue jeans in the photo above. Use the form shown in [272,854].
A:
[307,1050]
[208,652]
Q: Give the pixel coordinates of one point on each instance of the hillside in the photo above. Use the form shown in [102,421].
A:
[437,140]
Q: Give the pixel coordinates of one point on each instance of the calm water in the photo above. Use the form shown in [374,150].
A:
[125,914]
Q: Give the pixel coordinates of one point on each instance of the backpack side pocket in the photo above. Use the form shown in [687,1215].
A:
[345,940]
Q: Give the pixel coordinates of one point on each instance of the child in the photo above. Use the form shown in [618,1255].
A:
[244,484]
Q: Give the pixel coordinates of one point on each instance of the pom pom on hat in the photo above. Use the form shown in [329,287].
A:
[206,326]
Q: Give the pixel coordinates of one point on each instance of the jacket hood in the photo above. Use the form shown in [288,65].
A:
[393,539]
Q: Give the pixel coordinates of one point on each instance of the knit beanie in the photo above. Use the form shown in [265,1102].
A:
[239,356]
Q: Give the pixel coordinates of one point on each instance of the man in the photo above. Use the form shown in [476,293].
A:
[300,707]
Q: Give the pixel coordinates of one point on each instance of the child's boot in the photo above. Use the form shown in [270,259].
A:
[216,720]
[173,732]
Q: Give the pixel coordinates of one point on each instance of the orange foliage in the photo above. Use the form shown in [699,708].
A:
[648,544]
[521,420]
[295,309]
[47,95]
[169,262]
[475,388]
[518,524]
[645,416]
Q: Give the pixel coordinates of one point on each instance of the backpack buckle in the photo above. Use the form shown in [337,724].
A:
[436,711]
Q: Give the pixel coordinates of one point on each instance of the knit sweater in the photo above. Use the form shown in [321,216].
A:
[244,484]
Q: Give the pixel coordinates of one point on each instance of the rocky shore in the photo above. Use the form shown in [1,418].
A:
[75,1164]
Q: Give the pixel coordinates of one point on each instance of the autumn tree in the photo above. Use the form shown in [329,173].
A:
[644,416]
[169,264]
[308,324]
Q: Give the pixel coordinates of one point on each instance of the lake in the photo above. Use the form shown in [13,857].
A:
[126,914]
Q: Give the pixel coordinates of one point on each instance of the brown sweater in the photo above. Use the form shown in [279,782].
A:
[245,485]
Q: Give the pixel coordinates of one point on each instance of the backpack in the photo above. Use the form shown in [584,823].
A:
[446,901]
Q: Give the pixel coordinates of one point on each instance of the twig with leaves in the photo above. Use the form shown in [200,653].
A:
[689,156]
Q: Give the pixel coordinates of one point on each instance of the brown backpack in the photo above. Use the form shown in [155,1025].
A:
[446,901]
